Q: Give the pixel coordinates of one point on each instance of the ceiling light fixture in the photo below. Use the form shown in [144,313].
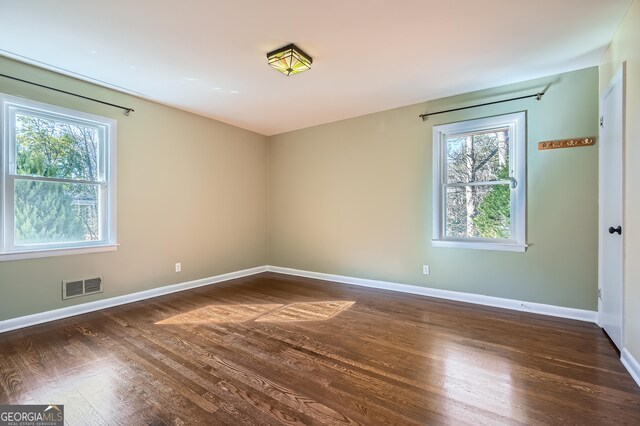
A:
[289,60]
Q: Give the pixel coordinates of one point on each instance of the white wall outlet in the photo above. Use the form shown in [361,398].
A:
[426,270]
[178,267]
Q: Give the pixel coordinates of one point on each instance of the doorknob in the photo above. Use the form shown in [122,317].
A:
[613,230]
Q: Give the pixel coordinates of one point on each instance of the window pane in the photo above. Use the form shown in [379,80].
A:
[478,157]
[482,211]
[56,148]
[54,212]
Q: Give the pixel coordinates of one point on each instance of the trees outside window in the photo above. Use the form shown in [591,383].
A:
[58,178]
[479,183]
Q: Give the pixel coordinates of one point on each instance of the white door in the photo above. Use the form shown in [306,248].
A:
[611,231]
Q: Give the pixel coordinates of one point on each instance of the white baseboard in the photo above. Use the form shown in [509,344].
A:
[631,364]
[29,320]
[537,308]
[557,311]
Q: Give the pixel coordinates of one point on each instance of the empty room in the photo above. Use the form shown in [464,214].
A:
[409,212]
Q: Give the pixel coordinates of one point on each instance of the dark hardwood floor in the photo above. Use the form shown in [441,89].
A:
[273,349]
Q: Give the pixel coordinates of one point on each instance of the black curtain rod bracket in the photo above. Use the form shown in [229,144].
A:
[126,110]
[538,97]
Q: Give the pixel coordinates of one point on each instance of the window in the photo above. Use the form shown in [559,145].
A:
[479,178]
[57,180]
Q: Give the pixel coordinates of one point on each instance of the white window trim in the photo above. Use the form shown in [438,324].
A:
[109,242]
[517,167]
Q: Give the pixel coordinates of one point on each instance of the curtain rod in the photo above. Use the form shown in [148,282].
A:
[538,96]
[126,110]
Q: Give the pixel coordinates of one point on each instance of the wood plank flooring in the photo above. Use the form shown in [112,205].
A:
[273,349]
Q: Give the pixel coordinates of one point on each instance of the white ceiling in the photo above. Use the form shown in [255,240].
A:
[208,56]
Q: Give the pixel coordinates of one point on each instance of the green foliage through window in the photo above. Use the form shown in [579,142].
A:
[50,211]
[477,199]
[494,211]
[480,182]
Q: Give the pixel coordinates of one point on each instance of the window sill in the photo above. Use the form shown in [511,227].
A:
[22,255]
[480,245]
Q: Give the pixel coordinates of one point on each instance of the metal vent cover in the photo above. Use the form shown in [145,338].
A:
[93,285]
[73,289]
[81,287]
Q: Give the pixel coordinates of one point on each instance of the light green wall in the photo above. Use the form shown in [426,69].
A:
[351,197]
[354,198]
[625,47]
[190,190]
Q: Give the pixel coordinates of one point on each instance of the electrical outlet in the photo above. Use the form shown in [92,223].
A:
[426,270]
[178,267]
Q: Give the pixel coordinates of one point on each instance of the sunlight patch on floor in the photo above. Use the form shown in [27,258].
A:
[293,312]
[220,314]
[309,311]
